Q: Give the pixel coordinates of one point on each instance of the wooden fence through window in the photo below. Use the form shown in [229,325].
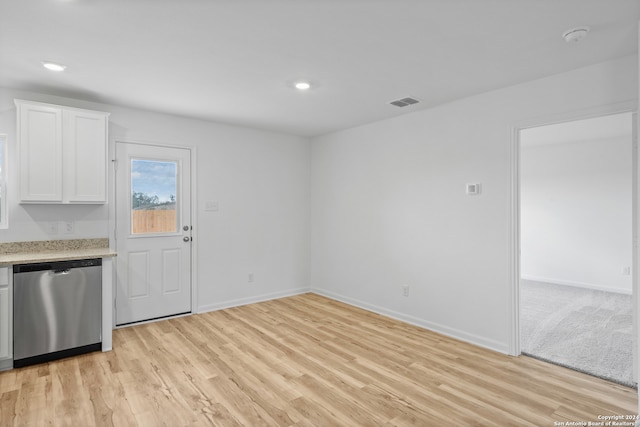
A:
[153,221]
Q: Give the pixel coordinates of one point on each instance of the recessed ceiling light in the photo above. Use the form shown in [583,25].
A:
[52,66]
[302,85]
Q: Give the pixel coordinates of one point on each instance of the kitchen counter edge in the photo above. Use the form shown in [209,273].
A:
[35,257]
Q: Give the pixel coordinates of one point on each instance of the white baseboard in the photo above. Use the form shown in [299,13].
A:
[576,284]
[441,329]
[252,300]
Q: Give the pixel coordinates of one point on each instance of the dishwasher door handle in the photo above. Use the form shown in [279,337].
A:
[65,271]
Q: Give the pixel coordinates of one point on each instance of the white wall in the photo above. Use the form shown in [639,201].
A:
[389,205]
[259,179]
[576,212]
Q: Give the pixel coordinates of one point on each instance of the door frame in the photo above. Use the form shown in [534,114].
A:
[514,227]
[113,209]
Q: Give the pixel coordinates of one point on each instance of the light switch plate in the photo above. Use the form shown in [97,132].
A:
[210,206]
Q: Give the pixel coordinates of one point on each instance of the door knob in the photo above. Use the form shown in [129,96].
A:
[186,238]
[185,228]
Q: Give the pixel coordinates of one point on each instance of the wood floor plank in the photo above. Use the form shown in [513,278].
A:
[300,361]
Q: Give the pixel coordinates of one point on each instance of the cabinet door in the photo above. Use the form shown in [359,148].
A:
[5,336]
[5,315]
[85,156]
[40,136]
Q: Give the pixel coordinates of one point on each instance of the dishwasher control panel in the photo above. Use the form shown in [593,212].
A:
[57,265]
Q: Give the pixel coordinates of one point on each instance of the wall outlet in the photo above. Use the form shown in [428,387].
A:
[68,227]
[626,271]
[52,227]
[405,290]
[250,278]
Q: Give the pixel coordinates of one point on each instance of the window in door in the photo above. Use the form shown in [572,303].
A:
[154,196]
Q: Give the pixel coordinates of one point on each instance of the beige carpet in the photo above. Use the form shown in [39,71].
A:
[590,331]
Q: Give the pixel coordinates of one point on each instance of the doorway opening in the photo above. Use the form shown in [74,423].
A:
[576,228]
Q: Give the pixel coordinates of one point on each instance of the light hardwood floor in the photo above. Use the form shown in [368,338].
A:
[300,361]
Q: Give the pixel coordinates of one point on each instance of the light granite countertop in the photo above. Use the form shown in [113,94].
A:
[53,250]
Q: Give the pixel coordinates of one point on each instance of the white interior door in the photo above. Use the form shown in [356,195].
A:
[153,232]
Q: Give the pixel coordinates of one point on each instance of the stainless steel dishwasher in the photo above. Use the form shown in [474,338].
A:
[57,310]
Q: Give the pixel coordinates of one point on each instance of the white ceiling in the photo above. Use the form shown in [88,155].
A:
[234,61]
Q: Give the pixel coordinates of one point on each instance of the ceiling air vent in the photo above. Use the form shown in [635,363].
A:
[404,102]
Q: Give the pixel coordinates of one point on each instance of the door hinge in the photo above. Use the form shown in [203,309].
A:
[115,164]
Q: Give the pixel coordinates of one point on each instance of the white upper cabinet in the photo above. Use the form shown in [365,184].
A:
[40,147]
[84,156]
[63,154]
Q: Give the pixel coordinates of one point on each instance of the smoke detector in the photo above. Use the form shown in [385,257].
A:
[574,35]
